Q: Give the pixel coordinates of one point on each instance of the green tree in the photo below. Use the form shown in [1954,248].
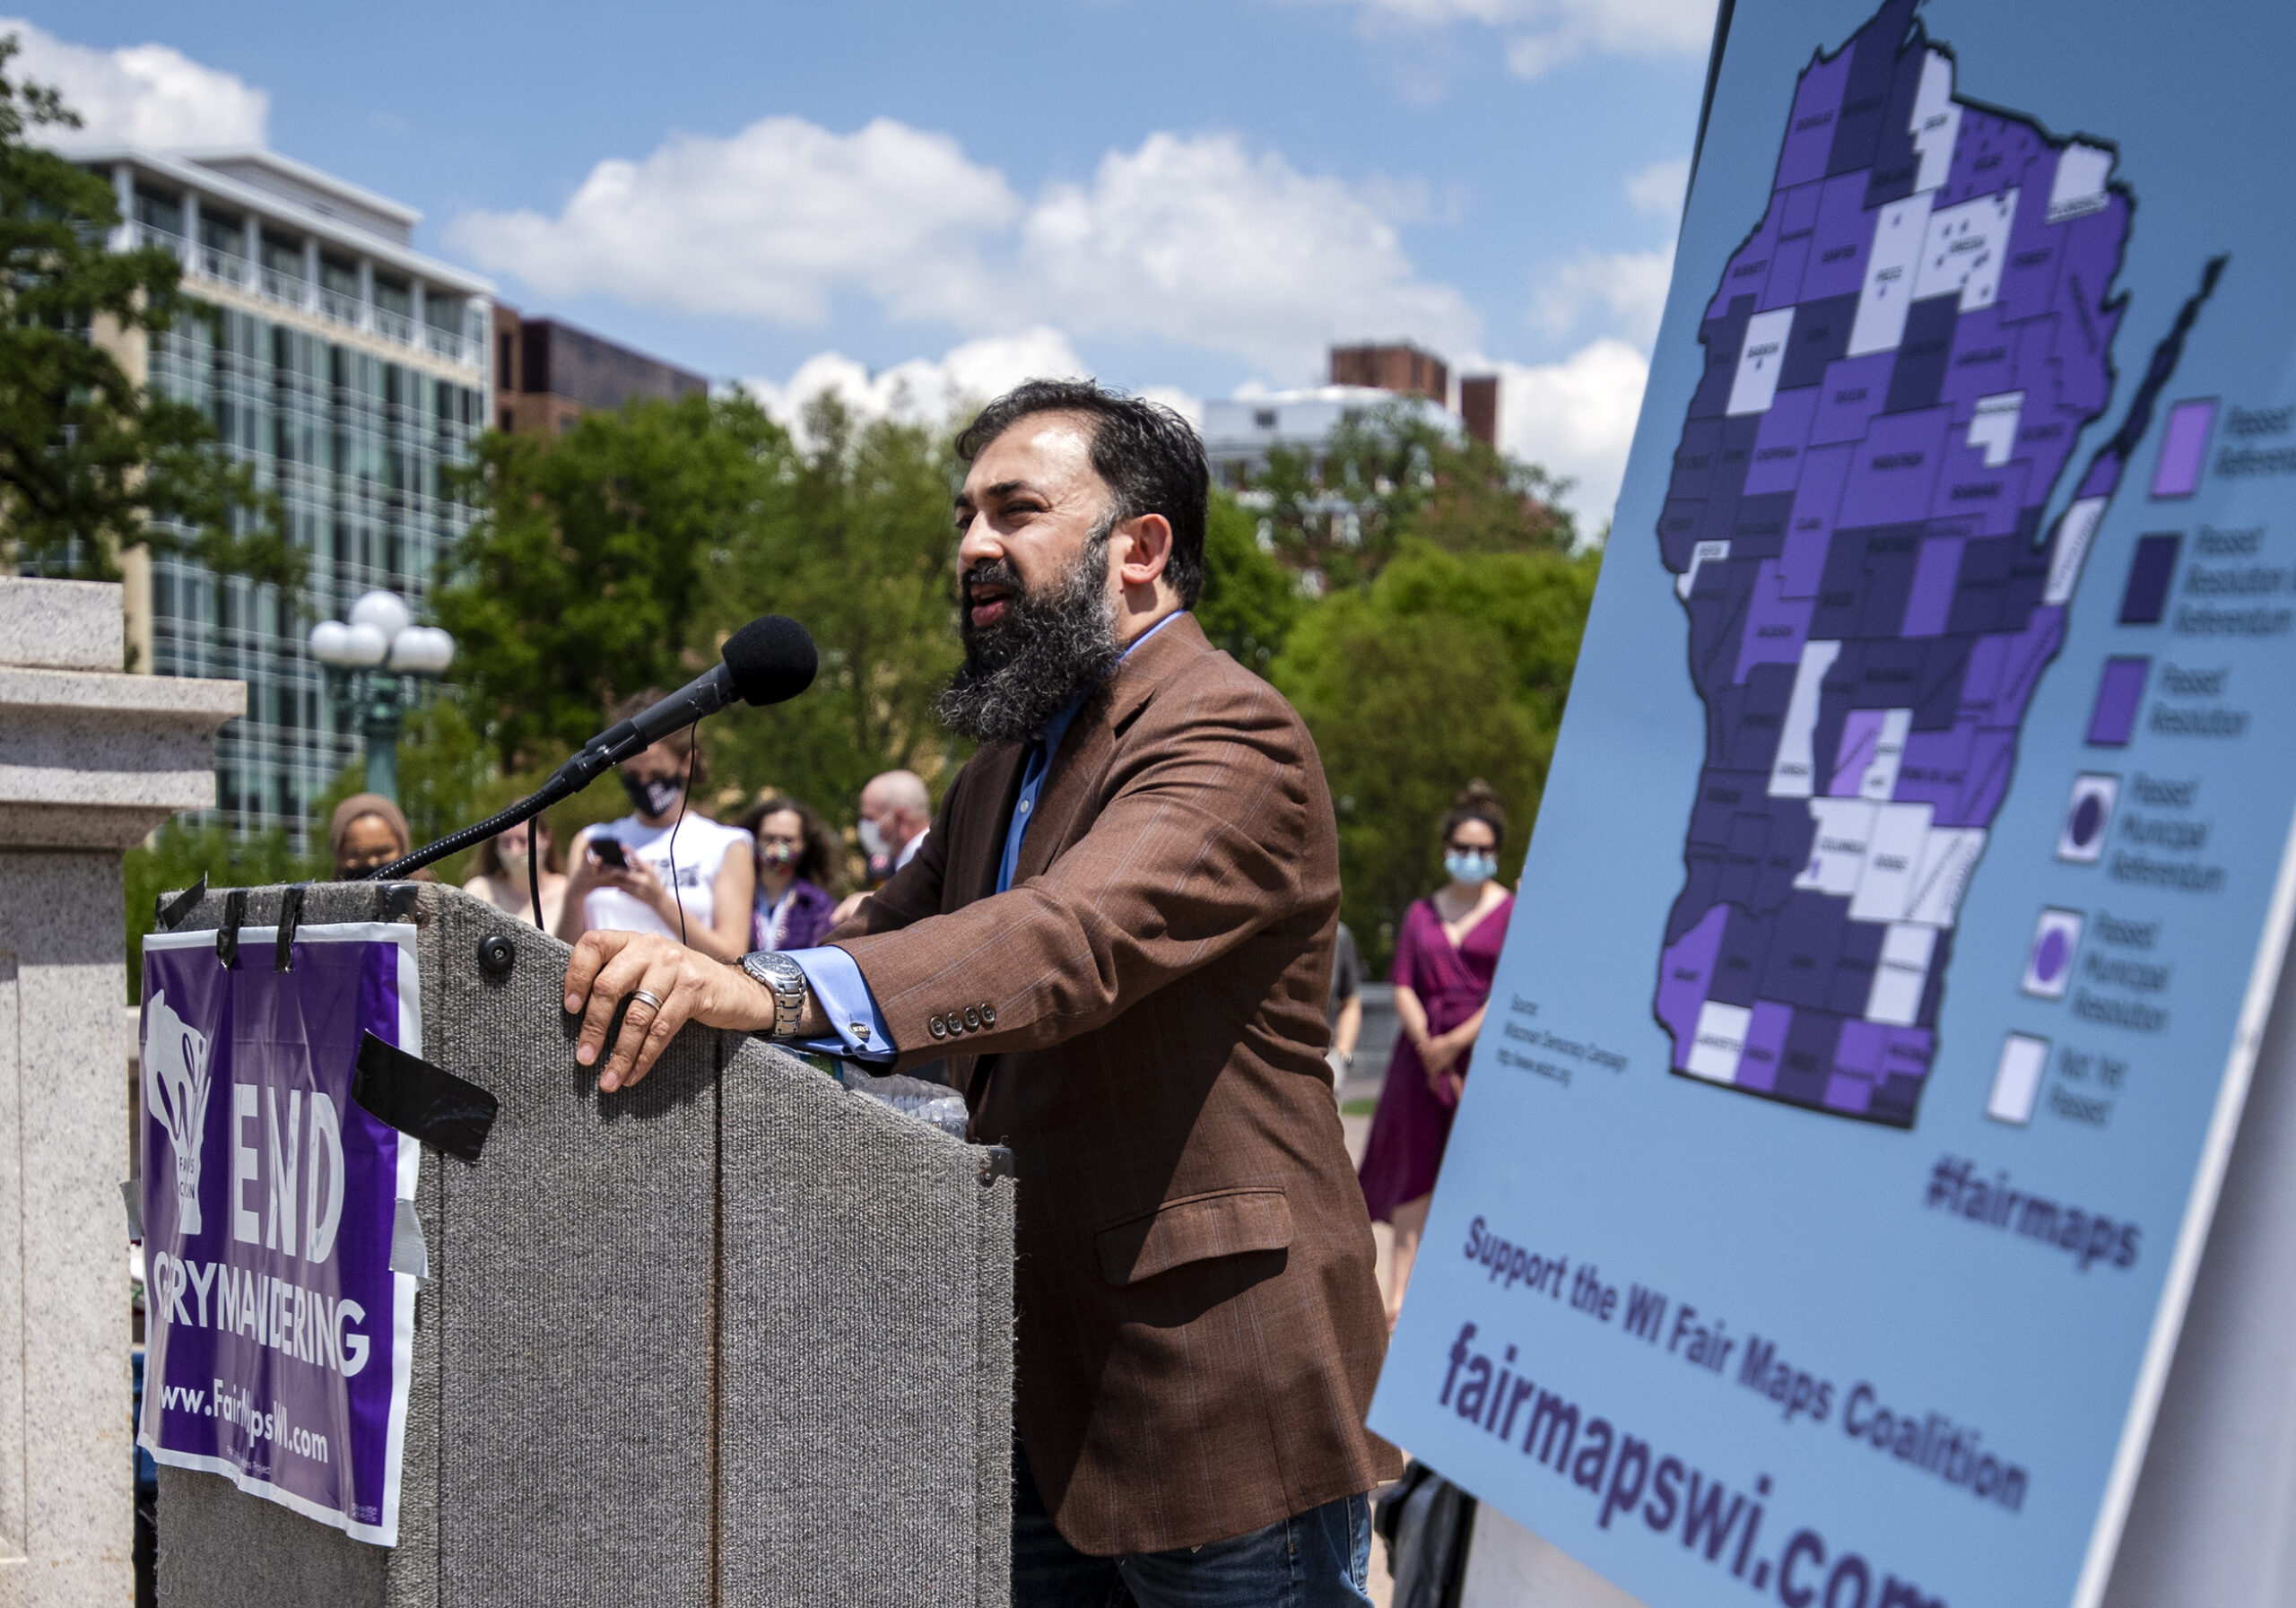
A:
[1250,600]
[1448,667]
[180,854]
[586,575]
[857,541]
[91,463]
[1386,476]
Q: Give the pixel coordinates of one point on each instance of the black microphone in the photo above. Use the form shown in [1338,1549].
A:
[770,660]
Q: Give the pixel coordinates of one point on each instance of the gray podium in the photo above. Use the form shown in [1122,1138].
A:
[737,1336]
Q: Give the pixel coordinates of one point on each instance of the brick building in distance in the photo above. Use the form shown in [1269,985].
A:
[548,374]
[1239,432]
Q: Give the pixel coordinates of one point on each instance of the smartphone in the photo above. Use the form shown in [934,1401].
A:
[608,851]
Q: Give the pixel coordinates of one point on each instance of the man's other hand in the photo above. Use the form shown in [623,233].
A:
[608,967]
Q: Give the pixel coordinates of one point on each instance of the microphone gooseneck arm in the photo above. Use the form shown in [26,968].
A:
[768,661]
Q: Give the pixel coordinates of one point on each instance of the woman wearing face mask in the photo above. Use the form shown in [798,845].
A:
[367,832]
[796,858]
[1445,956]
[665,867]
[502,881]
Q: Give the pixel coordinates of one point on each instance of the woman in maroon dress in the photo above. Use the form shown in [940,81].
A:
[1445,956]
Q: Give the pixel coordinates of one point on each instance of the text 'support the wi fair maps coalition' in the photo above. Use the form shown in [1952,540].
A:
[1898,361]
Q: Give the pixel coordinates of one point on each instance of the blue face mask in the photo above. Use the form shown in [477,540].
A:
[1468,866]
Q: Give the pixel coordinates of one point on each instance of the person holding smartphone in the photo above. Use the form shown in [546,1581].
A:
[665,867]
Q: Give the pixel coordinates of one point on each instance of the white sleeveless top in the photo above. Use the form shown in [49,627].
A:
[701,848]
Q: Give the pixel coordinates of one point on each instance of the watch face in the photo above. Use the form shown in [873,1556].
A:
[767,968]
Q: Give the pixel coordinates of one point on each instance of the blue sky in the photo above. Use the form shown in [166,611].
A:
[1192,196]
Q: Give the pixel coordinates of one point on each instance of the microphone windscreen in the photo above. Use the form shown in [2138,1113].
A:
[772,659]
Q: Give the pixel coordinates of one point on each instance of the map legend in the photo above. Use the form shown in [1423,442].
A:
[2017,1079]
[2119,690]
[2048,966]
[2145,599]
[2184,448]
[2086,815]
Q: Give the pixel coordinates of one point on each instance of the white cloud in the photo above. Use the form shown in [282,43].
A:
[1197,240]
[1201,242]
[140,94]
[1630,287]
[1658,189]
[772,221]
[1538,36]
[1577,419]
[922,389]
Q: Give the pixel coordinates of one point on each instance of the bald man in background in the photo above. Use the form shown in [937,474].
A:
[896,813]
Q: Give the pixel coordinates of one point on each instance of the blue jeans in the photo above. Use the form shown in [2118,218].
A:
[1320,1559]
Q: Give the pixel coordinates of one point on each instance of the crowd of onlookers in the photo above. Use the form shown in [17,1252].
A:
[772,880]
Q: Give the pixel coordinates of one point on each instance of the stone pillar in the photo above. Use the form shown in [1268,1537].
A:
[91,761]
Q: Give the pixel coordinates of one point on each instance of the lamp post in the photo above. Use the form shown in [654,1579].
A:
[374,666]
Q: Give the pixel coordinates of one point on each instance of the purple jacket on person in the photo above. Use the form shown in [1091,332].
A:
[804,919]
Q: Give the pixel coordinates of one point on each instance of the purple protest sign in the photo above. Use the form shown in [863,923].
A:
[277,1336]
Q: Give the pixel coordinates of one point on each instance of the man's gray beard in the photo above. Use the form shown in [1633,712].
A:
[1019,673]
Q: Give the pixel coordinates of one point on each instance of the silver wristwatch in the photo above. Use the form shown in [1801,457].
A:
[786,980]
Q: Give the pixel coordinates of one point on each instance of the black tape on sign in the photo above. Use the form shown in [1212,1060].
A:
[421,1100]
[290,916]
[226,937]
[173,910]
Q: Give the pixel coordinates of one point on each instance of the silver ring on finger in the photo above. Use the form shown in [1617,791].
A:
[637,994]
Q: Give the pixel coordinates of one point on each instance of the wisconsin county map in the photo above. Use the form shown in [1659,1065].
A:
[1900,361]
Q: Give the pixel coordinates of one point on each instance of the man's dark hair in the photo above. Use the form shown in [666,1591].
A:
[1150,457]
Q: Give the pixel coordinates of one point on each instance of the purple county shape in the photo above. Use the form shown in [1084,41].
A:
[1810,130]
[1933,769]
[1839,240]
[1982,361]
[1765,1045]
[1851,393]
[1931,597]
[1685,972]
[1895,471]
[1809,531]
[1861,740]
[1777,465]
[1991,154]
[1776,625]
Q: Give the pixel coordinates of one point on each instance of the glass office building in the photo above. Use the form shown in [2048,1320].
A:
[351,374]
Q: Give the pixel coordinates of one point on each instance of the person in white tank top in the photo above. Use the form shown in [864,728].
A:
[679,868]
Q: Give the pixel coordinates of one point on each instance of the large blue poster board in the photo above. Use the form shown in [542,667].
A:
[1915,865]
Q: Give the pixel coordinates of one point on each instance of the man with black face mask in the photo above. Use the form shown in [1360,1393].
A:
[665,868]
[1118,933]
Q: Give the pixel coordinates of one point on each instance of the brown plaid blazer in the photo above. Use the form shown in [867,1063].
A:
[1141,1020]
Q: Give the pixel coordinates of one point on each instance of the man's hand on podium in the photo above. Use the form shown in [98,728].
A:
[608,967]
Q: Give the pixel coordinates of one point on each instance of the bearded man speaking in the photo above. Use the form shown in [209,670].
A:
[1119,934]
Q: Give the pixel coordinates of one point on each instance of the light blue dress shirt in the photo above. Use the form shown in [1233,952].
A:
[836,977]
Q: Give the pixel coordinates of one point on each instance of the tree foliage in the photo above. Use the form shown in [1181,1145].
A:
[587,572]
[1448,667]
[1250,600]
[856,540]
[91,462]
[1388,477]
